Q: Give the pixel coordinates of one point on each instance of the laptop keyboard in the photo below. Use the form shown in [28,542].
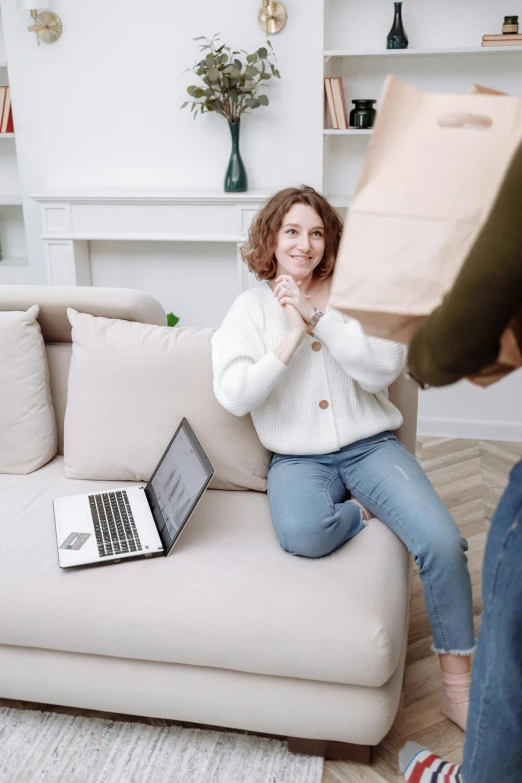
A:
[114,525]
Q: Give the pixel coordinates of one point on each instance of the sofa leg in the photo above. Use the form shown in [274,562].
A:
[340,751]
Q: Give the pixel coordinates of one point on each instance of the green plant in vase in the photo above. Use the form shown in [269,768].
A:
[231,87]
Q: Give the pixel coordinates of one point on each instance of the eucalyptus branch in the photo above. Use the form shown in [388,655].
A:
[230,87]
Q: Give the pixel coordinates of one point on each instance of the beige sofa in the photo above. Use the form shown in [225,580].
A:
[228,631]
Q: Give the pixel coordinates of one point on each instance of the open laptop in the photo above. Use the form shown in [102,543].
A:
[135,522]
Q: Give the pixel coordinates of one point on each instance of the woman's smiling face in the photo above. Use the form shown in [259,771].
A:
[300,242]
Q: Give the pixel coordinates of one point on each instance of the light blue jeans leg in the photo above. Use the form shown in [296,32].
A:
[493,749]
[311,511]
[313,516]
[382,474]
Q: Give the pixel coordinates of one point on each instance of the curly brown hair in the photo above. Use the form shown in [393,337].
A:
[258,251]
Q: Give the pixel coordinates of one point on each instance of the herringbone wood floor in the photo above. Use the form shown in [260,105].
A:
[470,477]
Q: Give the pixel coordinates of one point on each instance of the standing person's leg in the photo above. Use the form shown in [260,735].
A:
[493,748]
[310,507]
[383,475]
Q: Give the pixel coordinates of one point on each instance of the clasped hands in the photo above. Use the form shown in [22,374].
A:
[296,304]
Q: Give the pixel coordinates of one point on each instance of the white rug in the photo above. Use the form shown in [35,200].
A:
[46,747]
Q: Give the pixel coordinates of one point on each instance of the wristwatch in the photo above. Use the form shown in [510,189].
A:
[316,316]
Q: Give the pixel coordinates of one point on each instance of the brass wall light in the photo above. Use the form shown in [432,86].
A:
[46,25]
[272,17]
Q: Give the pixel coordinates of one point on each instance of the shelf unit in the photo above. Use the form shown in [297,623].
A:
[422,52]
[348,132]
[350,25]
[14,266]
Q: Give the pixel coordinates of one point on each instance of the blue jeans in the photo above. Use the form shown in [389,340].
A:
[493,749]
[313,516]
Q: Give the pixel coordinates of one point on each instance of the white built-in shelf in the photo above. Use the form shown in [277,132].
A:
[3,64]
[6,135]
[10,199]
[348,132]
[420,52]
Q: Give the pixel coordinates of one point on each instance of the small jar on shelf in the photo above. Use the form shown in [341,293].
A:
[510,26]
[363,115]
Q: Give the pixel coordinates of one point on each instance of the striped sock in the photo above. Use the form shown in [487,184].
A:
[419,765]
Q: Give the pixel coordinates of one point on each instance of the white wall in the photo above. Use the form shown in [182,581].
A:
[100,108]
[468,411]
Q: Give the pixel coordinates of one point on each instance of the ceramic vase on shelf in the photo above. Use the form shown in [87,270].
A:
[363,115]
[236,176]
[397,38]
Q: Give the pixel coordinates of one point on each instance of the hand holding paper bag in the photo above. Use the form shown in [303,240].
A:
[426,189]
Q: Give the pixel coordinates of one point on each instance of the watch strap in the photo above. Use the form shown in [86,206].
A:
[316,316]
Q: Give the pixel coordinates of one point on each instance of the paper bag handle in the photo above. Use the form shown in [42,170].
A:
[460,120]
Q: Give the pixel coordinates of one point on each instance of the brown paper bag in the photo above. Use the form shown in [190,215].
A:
[431,174]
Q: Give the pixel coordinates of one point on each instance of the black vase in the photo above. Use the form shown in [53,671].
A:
[363,116]
[397,38]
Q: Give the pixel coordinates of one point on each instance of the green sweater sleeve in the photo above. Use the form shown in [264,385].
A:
[462,336]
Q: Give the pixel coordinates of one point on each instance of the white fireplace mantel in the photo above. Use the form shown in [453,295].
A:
[71,218]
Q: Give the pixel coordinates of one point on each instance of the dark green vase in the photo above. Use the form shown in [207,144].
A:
[397,38]
[236,176]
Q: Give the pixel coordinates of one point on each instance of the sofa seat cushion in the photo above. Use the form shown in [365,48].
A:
[227,597]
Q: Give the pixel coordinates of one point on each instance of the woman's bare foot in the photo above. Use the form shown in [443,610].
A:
[454,697]
[456,683]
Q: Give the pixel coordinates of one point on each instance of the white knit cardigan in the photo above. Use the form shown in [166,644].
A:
[333,392]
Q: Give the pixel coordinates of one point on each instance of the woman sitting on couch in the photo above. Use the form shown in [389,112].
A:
[316,387]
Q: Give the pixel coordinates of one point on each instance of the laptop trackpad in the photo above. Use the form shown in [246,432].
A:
[73,522]
[75,541]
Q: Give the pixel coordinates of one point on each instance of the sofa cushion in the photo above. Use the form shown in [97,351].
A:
[27,422]
[130,384]
[228,596]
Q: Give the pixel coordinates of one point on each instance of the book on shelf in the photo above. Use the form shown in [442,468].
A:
[330,103]
[3,91]
[6,124]
[6,111]
[339,102]
[502,44]
[509,39]
[506,37]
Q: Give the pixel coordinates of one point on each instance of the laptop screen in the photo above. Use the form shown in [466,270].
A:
[177,483]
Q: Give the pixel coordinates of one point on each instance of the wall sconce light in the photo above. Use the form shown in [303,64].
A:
[46,25]
[272,17]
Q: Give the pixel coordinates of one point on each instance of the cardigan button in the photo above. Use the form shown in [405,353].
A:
[323,404]
[316,346]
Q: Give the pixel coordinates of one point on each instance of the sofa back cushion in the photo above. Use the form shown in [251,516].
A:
[27,422]
[54,300]
[130,384]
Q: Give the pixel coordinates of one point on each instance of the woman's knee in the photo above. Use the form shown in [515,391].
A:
[443,550]
[307,540]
